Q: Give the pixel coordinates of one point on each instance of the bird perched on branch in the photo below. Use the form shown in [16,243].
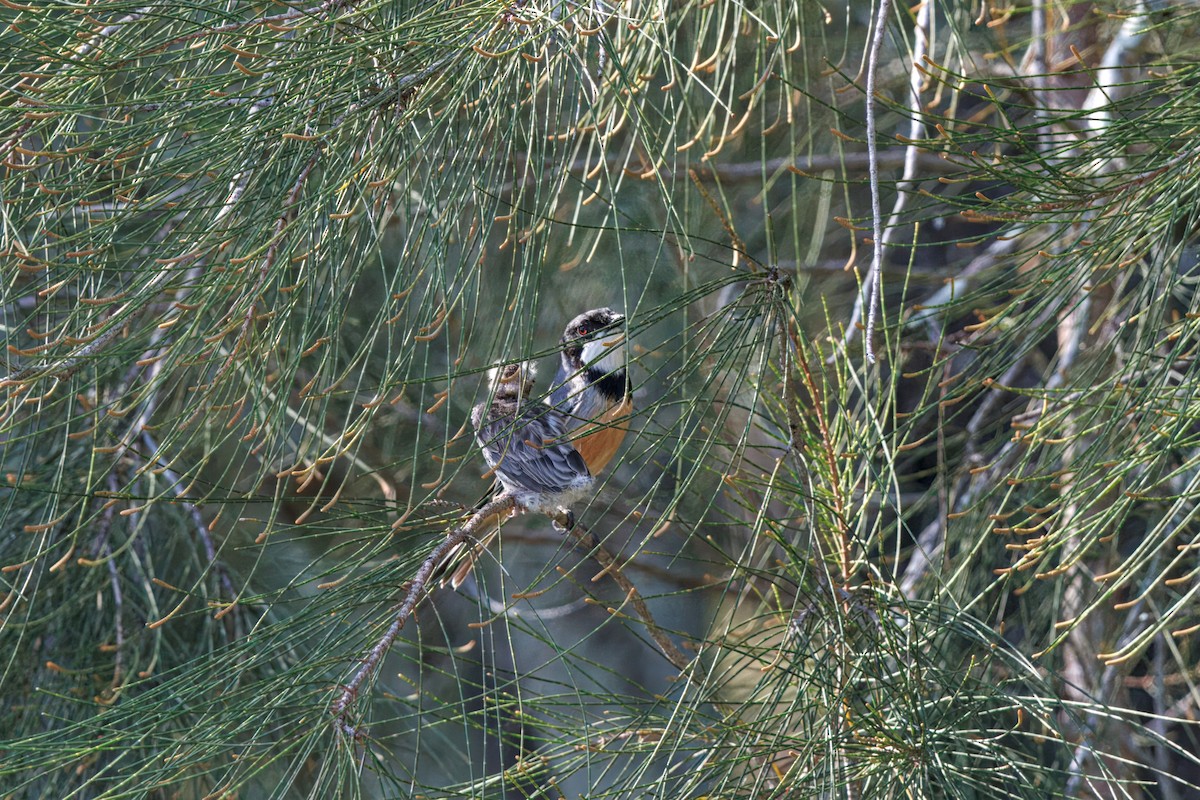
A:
[592,387]
[524,444]
[546,455]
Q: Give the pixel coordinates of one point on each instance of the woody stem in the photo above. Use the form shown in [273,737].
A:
[611,568]
[413,594]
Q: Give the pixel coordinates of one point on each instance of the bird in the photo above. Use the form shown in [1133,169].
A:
[592,389]
[523,442]
[588,409]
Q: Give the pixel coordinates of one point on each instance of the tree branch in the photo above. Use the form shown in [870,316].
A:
[610,567]
[873,281]
[413,594]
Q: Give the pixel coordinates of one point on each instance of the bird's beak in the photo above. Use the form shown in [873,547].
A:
[620,337]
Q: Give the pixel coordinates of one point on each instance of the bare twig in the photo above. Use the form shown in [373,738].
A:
[413,594]
[747,171]
[1108,71]
[470,588]
[611,568]
[873,281]
[883,234]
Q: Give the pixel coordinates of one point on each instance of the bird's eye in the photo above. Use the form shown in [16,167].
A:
[583,331]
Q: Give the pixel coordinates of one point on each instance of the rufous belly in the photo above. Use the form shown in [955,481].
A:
[600,440]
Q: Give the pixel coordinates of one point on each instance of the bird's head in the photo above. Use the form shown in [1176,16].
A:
[512,381]
[594,341]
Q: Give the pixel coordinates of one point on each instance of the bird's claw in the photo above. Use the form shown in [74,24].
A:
[564,520]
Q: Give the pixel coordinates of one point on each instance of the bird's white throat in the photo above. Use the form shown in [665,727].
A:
[605,355]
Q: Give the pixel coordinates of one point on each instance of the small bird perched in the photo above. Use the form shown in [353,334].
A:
[546,456]
[524,444]
[592,387]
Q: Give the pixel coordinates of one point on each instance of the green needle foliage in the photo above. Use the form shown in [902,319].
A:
[257,257]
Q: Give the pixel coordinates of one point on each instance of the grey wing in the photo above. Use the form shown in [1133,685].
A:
[531,455]
[577,402]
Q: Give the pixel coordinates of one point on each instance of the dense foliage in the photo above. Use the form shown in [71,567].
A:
[913,480]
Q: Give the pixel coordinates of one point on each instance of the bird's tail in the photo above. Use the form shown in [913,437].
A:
[458,563]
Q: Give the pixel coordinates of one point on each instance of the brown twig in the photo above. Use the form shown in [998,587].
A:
[749,171]
[611,568]
[413,594]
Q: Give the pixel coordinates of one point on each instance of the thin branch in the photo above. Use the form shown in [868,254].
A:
[1108,71]
[913,157]
[611,568]
[1035,61]
[873,280]
[752,171]
[413,594]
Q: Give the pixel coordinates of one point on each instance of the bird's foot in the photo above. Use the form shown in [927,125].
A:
[563,520]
